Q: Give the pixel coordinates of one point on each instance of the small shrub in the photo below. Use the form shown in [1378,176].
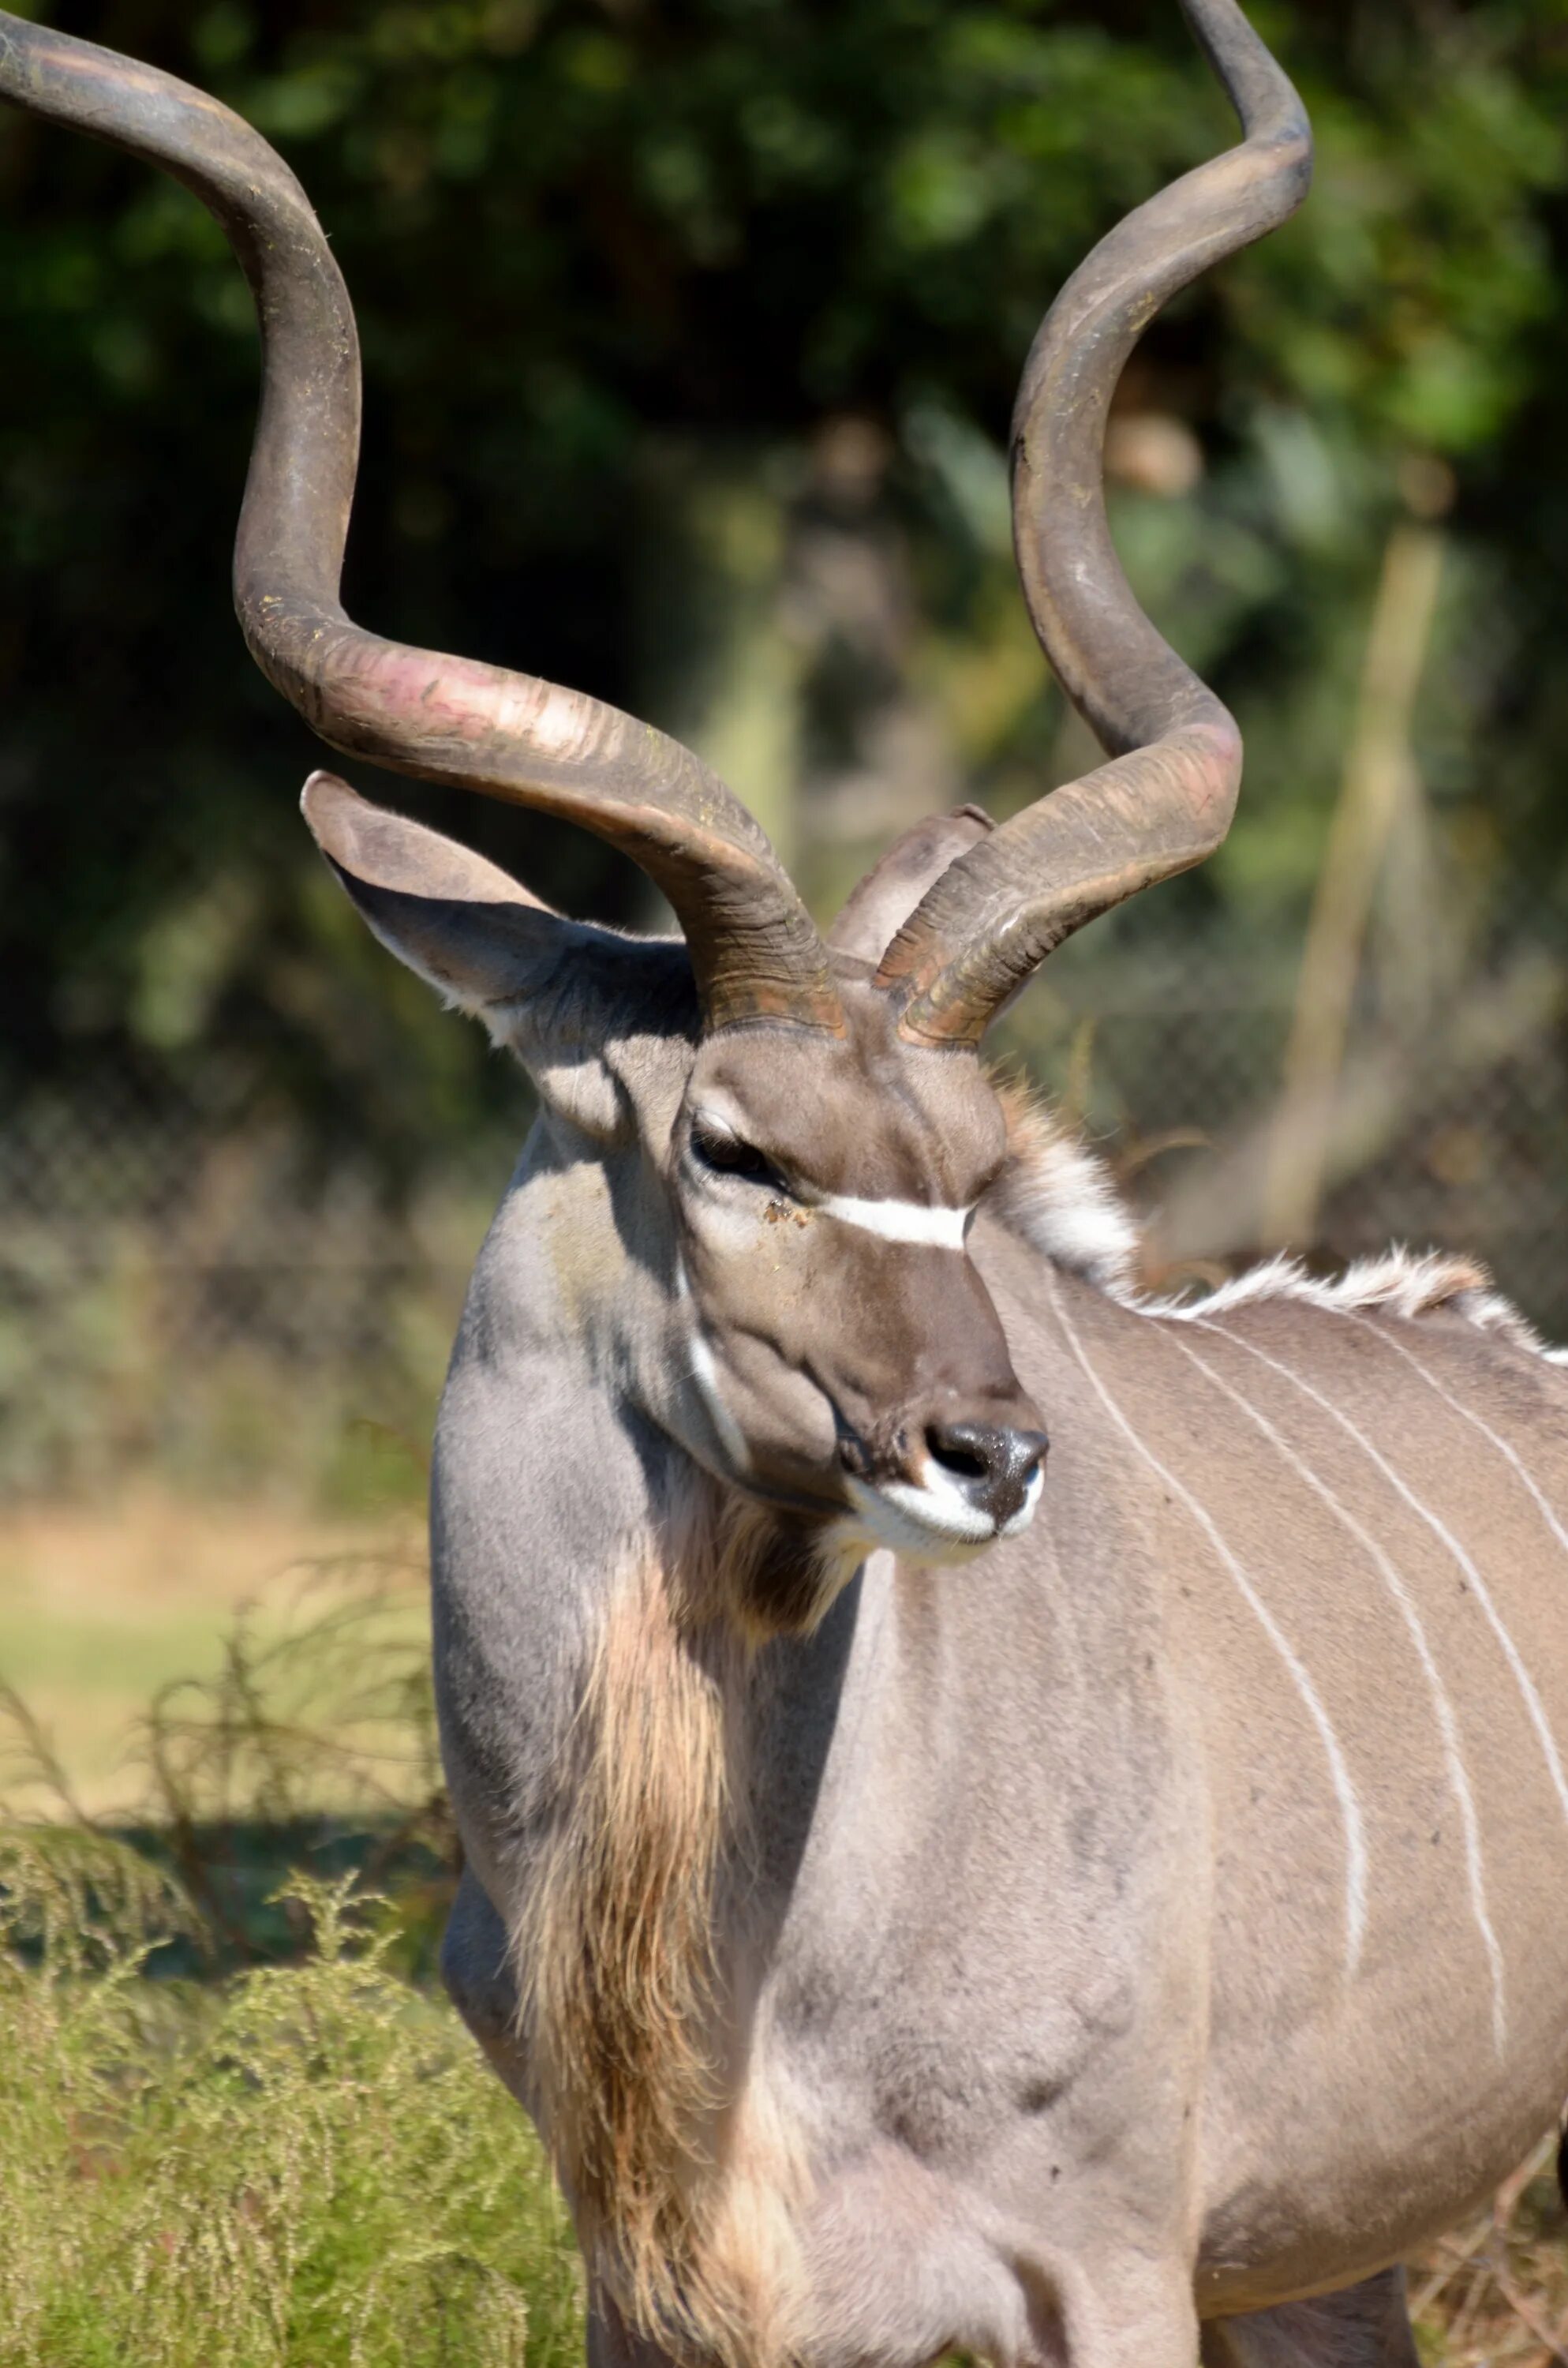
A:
[311,2168]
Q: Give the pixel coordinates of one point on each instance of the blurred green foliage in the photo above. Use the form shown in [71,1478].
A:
[614,259]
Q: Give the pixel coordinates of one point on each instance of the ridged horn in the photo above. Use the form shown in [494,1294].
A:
[754,948]
[1166,799]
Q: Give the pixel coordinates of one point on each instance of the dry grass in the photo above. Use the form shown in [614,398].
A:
[1495,2295]
[105,1607]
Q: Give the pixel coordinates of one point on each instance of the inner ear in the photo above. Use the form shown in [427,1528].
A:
[464,925]
[554,992]
[878,908]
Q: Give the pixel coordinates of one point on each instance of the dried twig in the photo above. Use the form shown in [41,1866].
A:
[1508,2285]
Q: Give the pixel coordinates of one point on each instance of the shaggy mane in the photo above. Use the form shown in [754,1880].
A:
[1059,1197]
[1402,1282]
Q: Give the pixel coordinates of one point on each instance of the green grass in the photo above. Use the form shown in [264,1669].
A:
[309,2166]
[239,2126]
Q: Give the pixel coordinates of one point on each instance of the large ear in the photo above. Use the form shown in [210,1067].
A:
[878,908]
[554,991]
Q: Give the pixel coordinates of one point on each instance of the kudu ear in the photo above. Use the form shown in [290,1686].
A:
[553,991]
[878,908]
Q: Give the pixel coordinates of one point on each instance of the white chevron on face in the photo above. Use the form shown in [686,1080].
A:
[898,1220]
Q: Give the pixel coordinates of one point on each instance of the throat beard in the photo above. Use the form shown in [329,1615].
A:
[682,2180]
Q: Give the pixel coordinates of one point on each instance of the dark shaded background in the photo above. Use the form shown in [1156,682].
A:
[691,329]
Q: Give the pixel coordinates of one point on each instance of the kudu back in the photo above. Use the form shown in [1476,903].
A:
[1083,1905]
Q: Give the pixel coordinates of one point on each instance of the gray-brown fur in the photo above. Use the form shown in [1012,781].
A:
[1052,1875]
[1130,1942]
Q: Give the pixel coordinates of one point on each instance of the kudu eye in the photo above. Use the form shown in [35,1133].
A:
[728,1156]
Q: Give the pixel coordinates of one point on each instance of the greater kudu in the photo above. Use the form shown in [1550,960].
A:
[1077,1957]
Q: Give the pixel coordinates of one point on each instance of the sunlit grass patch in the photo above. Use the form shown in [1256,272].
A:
[312,2165]
[103,1608]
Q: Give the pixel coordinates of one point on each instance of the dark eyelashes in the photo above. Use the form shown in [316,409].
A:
[726,1154]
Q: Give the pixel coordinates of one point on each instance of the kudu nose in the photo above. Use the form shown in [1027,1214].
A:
[994,1466]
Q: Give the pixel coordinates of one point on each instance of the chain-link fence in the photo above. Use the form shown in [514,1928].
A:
[1447,1126]
[193,1290]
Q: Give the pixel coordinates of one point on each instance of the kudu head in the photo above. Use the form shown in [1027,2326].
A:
[800,1128]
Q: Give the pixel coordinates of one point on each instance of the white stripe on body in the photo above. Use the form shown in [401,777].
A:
[1381,1332]
[1459,1780]
[1339,1774]
[1522,1678]
[897,1221]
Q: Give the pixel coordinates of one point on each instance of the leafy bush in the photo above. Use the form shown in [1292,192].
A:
[312,2165]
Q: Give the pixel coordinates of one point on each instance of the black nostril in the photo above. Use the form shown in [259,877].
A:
[965,1462]
[995,1465]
